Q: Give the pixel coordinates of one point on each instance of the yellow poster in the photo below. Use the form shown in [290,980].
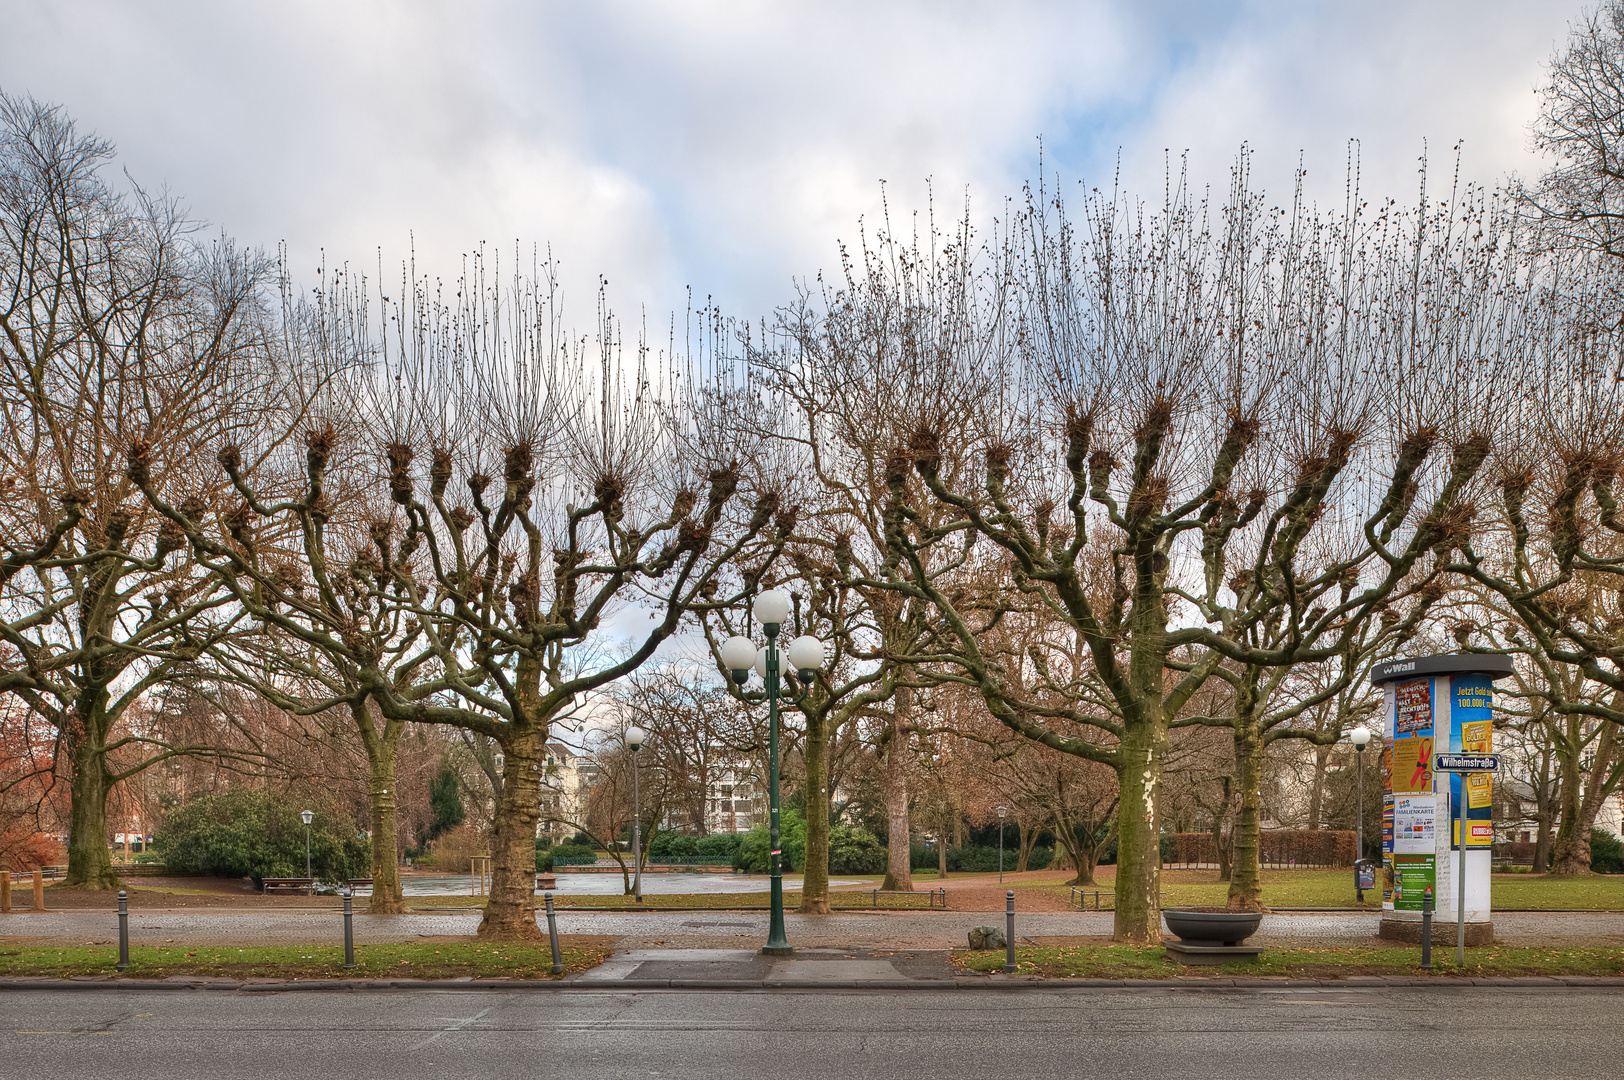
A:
[1476,737]
[1412,765]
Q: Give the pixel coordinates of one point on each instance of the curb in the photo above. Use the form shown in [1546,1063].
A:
[994,982]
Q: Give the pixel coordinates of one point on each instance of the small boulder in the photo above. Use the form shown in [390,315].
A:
[987,937]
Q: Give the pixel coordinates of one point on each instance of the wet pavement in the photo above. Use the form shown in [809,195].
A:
[915,930]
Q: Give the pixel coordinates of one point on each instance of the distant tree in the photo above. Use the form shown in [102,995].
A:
[445,799]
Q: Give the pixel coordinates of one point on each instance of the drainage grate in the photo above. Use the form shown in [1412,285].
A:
[697,925]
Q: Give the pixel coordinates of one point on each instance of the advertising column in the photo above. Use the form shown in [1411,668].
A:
[1436,704]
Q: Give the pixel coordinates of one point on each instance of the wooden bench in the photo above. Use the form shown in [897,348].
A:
[288,884]
[360,883]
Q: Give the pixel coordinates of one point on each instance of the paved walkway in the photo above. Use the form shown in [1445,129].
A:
[915,930]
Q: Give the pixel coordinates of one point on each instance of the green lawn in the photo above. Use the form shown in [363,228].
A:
[425,961]
[1334,889]
[1132,962]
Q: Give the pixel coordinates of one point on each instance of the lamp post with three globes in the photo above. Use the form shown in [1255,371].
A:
[739,655]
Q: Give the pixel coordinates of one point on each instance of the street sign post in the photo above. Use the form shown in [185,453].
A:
[1463,763]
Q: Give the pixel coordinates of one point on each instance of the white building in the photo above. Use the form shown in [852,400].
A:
[564,785]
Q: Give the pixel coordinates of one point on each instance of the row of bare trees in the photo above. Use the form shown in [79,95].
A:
[1095,481]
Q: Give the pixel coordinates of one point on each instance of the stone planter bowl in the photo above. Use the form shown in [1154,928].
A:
[1212,927]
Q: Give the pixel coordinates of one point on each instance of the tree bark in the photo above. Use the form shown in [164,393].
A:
[898,761]
[1571,850]
[1139,865]
[1316,790]
[510,912]
[386,894]
[1246,874]
[1028,839]
[90,864]
[815,872]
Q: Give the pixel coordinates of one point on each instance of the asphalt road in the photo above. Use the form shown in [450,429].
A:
[1121,1034]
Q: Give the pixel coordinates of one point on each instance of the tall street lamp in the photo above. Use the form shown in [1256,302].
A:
[1359,736]
[308,818]
[1002,811]
[634,739]
[739,655]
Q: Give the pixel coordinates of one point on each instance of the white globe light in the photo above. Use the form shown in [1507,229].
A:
[738,653]
[307,816]
[772,607]
[805,653]
[635,737]
[761,662]
[1360,735]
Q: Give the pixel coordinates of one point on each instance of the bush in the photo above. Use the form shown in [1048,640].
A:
[1606,852]
[669,844]
[855,851]
[581,839]
[258,834]
[575,853]
[755,847]
[719,846]
[1040,858]
[454,851]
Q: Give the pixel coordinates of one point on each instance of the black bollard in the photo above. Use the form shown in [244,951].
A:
[123,931]
[349,930]
[552,934]
[1009,930]
[1426,930]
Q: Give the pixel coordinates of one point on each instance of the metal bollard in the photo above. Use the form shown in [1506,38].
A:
[1009,930]
[1426,930]
[123,931]
[552,934]
[349,930]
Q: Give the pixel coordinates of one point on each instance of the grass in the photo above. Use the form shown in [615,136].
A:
[1133,962]
[1334,889]
[441,960]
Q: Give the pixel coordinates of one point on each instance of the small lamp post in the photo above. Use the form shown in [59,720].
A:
[308,817]
[1002,812]
[1359,736]
[739,655]
[635,737]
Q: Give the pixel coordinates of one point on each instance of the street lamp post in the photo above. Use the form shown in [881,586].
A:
[1002,811]
[739,655]
[634,739]
[1359,736]
[308,817]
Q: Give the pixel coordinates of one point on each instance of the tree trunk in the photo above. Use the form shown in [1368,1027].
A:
[1028,839]
[90,864]
[1139,864]
[510,913]
[1246,874]
[815,871]
[386,894]
[1316,789]
[898,761]
[1571,853]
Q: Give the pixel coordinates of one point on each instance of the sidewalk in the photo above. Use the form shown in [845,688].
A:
[690,929]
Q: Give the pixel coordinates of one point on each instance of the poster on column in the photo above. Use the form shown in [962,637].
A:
[1413,875]
[1472,729]
[1412,737]
[1415,824]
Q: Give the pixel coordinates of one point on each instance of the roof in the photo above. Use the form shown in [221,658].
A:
[1494,665]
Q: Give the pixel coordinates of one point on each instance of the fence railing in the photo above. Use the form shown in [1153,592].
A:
[1085,899]
[574,860]
[934,898]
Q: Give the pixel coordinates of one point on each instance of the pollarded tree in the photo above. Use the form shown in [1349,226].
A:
[116,327]
[1161,423]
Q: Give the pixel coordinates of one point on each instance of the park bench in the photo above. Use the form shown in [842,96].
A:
[360,883]
[933,898]
[288,884]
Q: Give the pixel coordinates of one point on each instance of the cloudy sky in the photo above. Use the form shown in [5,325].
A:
[728,146]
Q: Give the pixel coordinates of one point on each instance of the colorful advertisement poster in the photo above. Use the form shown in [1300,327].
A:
[1411,763]
[1415,824]
[1387,823]
[1412,876]
[1472,732]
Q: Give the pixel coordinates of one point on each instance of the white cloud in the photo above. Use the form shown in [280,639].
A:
[728,145]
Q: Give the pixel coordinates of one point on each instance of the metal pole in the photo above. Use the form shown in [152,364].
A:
[1009,930]
[123,931]
[552,934]
[307,851]
[349,929]
[1460,892]
[777,942]
[637,831]
[1426,929]
[1359,827]
[1000,850]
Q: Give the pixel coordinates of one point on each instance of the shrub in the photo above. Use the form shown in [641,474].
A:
[454,851]
[670,844]
[258,834]
[755,847]
[581,839]
[855,851]
[1039,858]
[719,846]
[575,853]
[1606,852]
